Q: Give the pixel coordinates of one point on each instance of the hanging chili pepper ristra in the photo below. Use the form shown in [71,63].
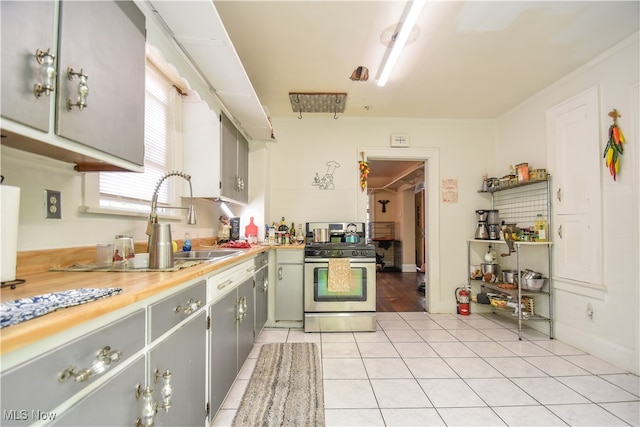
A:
[614,149]
[363,167]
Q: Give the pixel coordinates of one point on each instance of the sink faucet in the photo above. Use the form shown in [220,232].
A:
[153,216]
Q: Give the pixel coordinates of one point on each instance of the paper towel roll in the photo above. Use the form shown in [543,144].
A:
[10,208]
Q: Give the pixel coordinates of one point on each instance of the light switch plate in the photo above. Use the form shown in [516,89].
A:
[399,140]
[52,204]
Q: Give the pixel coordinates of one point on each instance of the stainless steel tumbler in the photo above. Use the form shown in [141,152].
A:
[160,246]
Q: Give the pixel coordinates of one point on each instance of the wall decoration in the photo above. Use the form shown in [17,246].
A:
[384,205]
[400,140]
[614,149]
[450,190]
[326,182]
[363,167]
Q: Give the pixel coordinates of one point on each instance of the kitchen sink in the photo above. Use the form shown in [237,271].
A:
[206,255]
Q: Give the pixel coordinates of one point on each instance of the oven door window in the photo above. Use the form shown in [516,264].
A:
[356,292]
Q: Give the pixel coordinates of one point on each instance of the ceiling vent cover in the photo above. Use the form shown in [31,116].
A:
[318,102]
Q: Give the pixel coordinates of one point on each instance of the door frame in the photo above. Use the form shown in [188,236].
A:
[431,212]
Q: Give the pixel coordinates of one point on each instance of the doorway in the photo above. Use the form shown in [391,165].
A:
[428,215]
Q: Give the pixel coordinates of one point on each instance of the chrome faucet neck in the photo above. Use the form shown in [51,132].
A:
[153,216]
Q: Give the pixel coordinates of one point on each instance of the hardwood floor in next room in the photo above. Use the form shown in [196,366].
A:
[398,292]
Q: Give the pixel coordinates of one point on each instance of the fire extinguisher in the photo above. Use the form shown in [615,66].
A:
[462,298]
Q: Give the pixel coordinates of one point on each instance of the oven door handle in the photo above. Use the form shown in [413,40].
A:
[351,260]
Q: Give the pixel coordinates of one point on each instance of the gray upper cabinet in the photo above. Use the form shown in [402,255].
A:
[21,68]
[94,114]
[234,169]
[106,42]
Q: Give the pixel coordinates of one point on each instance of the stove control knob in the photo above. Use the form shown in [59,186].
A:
[354,253]
[317,252]
[340,253]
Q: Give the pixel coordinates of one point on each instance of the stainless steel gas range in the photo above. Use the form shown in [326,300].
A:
[339,279]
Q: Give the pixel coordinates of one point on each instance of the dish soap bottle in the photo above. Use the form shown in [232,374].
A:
[186,246]
[540,228]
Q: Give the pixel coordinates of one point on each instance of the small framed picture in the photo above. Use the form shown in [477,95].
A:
[400,140]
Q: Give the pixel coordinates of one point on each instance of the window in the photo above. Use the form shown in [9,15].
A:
[133,191]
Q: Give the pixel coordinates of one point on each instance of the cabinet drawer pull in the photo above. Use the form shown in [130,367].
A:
[225,284]
[559,194]
[104,358]
[83,89]
[560,232]
[279,273]
[46,59]
[190,307]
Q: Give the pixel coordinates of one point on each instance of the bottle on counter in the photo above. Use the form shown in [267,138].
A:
[300,235]
[541,229]
[292,234]
[282,232]
[186,246]
[272,235]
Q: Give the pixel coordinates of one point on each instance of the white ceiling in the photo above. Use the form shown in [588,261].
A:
[472,59]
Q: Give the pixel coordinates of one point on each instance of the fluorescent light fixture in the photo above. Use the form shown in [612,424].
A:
[400,40]
[226,209]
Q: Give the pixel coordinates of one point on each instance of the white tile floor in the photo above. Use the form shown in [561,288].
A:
[434,370]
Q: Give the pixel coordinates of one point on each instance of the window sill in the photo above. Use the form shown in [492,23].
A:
[97,210]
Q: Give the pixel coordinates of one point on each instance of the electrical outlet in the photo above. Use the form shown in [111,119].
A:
[53,204]
[591,313]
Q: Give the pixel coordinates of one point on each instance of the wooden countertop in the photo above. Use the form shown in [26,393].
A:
[136,286]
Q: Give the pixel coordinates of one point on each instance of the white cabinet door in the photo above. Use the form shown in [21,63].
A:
[201,133]
[574,160]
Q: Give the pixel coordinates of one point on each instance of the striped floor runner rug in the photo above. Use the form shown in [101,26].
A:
[285,388]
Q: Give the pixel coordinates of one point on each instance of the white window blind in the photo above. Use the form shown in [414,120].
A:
[130,190]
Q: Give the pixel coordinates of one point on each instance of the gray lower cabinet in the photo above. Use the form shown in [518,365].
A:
[45,382]
[231,340]
[289,286]
[114,403]
[182,354]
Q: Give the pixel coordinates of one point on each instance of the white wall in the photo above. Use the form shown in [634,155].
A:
[614,334]
[304,147]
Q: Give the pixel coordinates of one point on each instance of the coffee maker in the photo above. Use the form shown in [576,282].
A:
[493,224]
[482,231]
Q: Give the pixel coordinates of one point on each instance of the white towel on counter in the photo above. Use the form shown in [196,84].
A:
[339,275]
[20,310]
